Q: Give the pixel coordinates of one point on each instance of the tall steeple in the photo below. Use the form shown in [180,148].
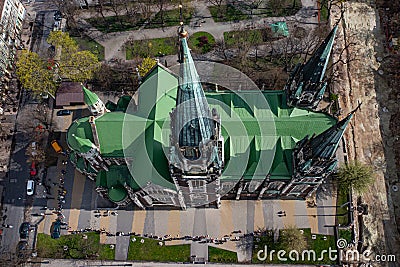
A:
[196,150]
[316,155]
[305,87]
[94,103]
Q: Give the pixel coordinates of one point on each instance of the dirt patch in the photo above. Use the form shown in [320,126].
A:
[369,135]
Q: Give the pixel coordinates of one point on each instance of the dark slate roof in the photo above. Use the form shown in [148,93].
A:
[325,144]
[314,70]
[68,93]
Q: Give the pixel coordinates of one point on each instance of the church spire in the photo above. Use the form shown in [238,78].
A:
[193,116]
[305,87]
[316,155]
[94,103]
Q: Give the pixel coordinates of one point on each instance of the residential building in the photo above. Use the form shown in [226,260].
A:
[12,17]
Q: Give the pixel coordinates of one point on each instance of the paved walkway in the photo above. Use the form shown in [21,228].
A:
[114,42]
[246,216]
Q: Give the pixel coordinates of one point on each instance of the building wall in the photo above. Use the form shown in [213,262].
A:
[12,16]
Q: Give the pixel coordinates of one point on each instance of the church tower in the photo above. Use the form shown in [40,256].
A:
[314,159]
[94,103]
[305,87]
[196,151]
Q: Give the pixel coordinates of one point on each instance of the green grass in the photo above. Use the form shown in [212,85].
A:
[116,24]
[166,46]
[197,46]
[221,255]
[345,234]
[342,212]
[87,43]
[78,248]
[171,18]
[227,13]
[317,245]
[150,250]
[151,47]
[232,38]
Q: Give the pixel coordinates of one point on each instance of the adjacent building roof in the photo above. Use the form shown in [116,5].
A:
[69,93]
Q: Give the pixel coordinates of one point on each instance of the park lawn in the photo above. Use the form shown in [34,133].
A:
[171,18]
[221,255]
[285,8]
[150,250]
[116,24]
[78,248]
[87,43]
[227,13]
[317,245]
[197,46]
[342,213]
[151,47]
[253,36]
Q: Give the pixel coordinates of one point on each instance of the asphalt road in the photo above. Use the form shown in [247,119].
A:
[43,26]
[15,197]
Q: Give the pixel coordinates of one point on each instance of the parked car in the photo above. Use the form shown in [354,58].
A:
[24,230]
[64,112]
[33,170]
[57,15]
[30,187]
[56,233]
[57,148]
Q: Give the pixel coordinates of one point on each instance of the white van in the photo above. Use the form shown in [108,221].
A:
[30,186]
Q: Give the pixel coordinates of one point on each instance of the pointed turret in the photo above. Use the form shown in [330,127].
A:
[305,87]
[94,103]
[83,144]
[316,155]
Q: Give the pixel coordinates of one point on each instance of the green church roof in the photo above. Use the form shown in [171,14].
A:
[117,193]
[267,135]
[80,128]
[89,97]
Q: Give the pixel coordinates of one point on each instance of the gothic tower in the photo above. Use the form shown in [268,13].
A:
[314,159]
[305,87]
[196,152]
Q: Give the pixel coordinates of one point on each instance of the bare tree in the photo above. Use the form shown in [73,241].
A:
[218,4]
